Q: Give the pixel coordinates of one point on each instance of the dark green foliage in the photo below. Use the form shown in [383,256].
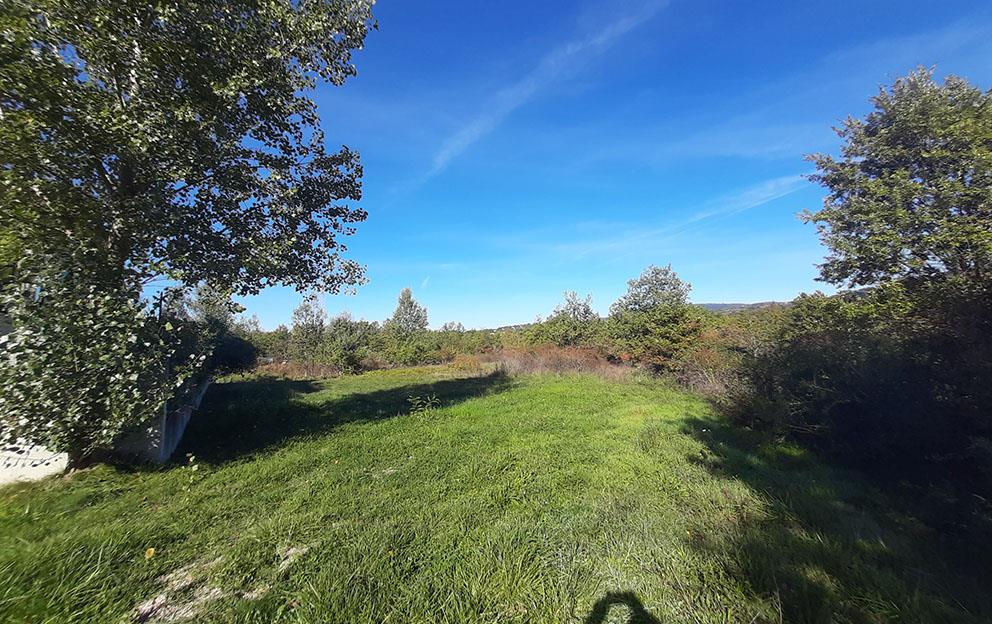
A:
[656,337]
[232,353]
[653,323]
[655,287]
[179,139]
[307,336]
[402,348]
[405,339]
[911,196]
[895,378]
[84,362]
[409,317]
[349,343]
[351,346]
[273,344]
[227,344]
[572,323]
[452,342]
[159,142]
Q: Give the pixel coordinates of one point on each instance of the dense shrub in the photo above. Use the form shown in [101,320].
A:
[894,380]
[658,337]
[297,370]
[896,377]
[348,344]
[226,343]
[713,362]
[572,323]
[232,353]
[274,345]
[452,341]
[402,348]
[307,337]
[64,389]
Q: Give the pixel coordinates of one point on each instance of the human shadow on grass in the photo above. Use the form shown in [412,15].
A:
[638,614]
[829,546]
[242,418]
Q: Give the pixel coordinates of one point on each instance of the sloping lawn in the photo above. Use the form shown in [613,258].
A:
[531,499]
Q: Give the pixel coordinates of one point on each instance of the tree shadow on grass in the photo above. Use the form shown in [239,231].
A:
[242,418]
[829,546]
[638,614]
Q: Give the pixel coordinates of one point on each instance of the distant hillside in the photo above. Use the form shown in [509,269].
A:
[719,308]
[723,308]
[512,327]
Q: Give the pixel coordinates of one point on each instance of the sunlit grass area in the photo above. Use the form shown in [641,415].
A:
[485,498]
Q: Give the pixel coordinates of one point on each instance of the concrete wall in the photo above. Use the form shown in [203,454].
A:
[157,439]
[154,441]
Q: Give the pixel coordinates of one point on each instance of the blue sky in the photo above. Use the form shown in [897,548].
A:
[514,150]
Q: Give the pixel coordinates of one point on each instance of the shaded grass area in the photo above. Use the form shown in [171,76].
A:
[254,415]
[524,499]
[832,547]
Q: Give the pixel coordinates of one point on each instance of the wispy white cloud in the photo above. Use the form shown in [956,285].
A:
[557,64]
[903,52]
[628,240]
[426,282]
[750,197]
[784,117]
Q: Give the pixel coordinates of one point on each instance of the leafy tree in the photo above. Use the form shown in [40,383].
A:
[656,286]
[575,309]
[652,323]
[405,339]
[10,253]
[911,195]
[249,326]
[213,309]
[274,344]
[572,323]
[309,319]
[172,142]
[409,317]
[115,364]
[894,377]
[229,349]
[453,326]
[657,337]
[347,342]
[179,139]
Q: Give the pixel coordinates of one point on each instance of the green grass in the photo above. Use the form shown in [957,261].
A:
[532,499]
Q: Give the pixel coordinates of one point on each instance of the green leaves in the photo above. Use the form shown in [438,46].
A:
[409,317]
[81,363]
[158,142]
[911,195]
[180,140]
[656,286]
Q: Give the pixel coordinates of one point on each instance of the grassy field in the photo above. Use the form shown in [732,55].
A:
[530,499]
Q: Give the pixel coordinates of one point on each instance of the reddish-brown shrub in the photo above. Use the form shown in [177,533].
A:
[548,359]
[467,363]
[298,370]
